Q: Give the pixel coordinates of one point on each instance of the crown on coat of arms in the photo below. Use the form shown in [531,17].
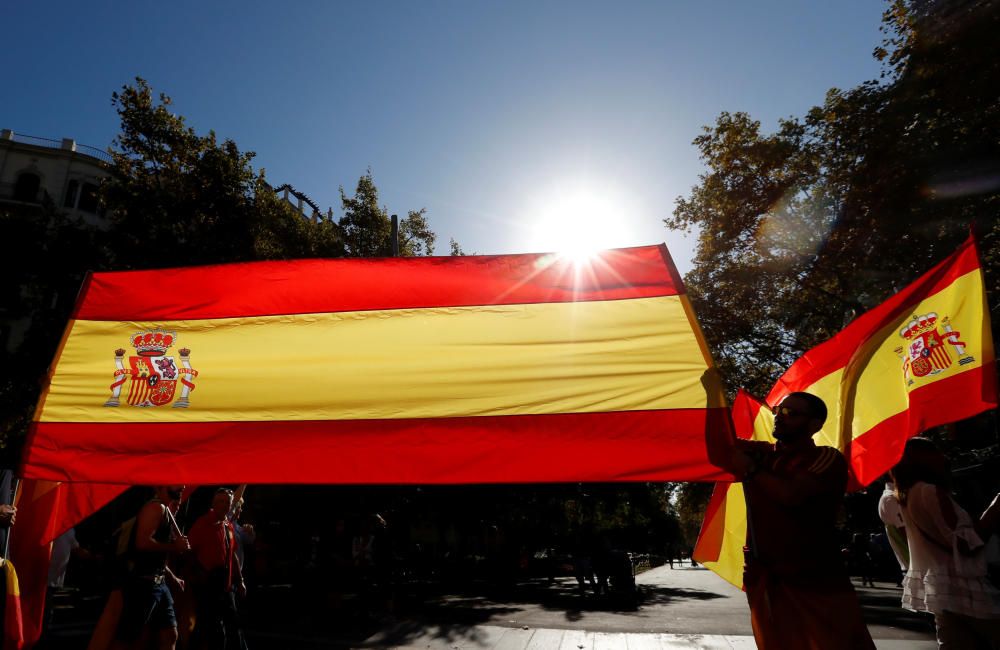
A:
[153,343]
[919,325]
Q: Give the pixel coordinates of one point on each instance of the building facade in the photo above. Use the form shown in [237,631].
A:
[58,173]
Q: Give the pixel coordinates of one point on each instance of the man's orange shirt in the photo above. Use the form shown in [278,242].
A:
[213,543]
[797,540]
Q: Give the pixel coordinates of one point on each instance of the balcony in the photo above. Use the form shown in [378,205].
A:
[67,144]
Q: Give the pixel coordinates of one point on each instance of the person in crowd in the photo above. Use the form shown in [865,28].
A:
[372,556]
[245,535]
[147,610]
[861,554]
[581,548]
[891,514]
[798,589]
[947,566]
[64,548]
[8,514]
[216,578]
[339,569]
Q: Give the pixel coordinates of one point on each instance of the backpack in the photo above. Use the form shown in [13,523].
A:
[124,557]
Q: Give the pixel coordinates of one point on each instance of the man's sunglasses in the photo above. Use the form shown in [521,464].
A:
[787,411]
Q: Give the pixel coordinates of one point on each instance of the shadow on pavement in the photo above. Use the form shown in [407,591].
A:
[450,613]
[881,606]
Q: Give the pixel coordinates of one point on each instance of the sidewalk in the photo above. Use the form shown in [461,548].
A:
[688,607]
[503,638]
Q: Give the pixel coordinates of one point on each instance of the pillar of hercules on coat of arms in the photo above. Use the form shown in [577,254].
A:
[151,374]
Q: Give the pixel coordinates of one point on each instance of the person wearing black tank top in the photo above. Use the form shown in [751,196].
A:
[148,610]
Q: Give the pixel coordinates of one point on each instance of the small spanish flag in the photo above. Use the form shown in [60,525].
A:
[13,630]
[921,359]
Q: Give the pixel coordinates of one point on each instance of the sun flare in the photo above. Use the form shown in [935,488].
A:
[578,223]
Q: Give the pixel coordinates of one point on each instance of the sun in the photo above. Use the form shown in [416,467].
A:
[578,222]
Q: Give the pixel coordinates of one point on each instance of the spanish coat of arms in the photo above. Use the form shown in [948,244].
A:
[931,347]
[151,375]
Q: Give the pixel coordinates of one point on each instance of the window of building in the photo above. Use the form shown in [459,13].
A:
[88,198]
[26,188]
[71,191]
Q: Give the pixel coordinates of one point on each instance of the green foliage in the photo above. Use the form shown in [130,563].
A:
[177,198]
[633,516]
[690,501]
[47,256]
[415,236]
[804,228]
[174,198]
[367,227]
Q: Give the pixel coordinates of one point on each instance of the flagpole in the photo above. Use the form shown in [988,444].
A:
[237,497]
[10,531]
[173,521]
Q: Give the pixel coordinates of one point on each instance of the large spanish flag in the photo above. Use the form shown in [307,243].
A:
[513,368]
[921,359]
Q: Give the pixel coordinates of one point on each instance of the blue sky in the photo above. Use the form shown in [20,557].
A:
[513,123]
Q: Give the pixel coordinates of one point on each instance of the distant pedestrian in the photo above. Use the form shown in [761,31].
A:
[861,555]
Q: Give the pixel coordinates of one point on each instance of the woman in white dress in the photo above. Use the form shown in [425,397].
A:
[947,571]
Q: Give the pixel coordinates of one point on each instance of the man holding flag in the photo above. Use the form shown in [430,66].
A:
[799,592]
[922,358]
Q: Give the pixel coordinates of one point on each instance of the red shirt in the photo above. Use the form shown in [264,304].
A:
[213,543]
[800,539]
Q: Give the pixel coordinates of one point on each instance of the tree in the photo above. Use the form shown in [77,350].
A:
[174,198]
[177,198]
[367,227]
[46,258]
[691,500]
[804,228]
[415,236]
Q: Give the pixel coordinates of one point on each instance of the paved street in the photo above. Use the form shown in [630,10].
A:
[679,608]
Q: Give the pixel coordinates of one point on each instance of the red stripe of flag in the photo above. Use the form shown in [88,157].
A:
[319,286]
[659,445]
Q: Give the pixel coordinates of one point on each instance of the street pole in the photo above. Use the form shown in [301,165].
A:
[395,236]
